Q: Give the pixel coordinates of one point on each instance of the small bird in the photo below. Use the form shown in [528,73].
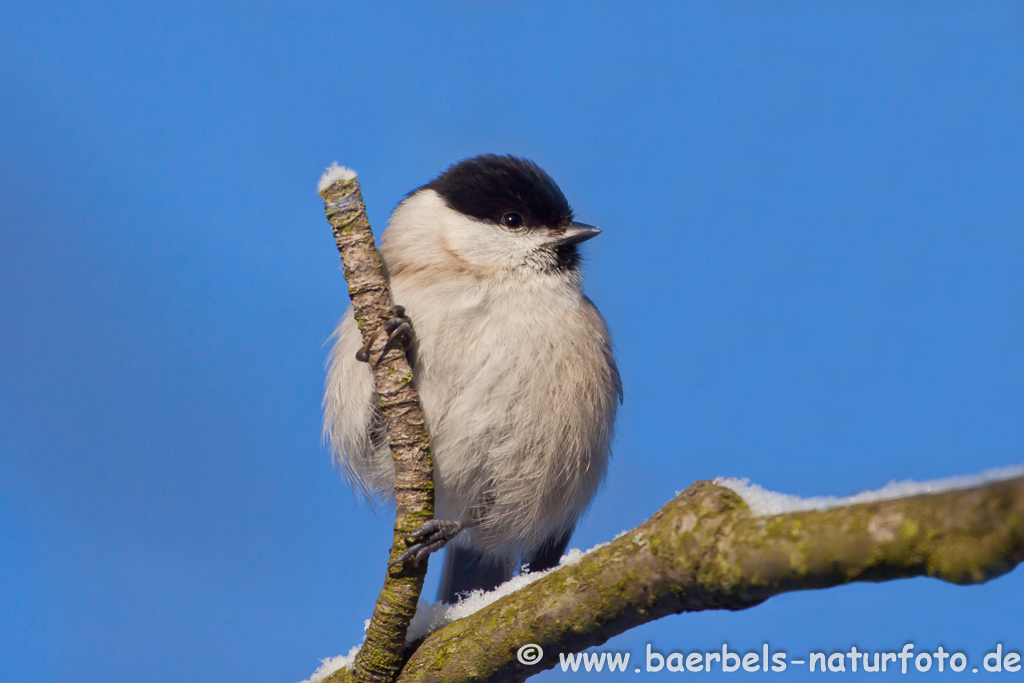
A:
[512,361]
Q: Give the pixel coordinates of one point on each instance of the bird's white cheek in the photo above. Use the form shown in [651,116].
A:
[486,245]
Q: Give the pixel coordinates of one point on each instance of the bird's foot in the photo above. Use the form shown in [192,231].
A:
[430,537]
[398,327]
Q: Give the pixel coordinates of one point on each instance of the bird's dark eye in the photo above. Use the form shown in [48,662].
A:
[512,220]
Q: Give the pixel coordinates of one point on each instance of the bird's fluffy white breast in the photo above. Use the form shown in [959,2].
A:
[516,379]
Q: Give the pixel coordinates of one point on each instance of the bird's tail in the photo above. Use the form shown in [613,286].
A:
[467,570]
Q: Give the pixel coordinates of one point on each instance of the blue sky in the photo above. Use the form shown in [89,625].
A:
[812,265]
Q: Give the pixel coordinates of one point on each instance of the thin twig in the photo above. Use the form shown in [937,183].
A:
[382,655]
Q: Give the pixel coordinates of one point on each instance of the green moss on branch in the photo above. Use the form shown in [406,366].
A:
[705,550]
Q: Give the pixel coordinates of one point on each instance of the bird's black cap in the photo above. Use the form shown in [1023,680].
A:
[490,185]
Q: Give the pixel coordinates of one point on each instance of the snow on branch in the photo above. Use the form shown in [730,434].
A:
[334,174]
[763,502]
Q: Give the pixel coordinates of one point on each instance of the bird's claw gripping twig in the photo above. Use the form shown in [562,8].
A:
[432,536]
[398,327]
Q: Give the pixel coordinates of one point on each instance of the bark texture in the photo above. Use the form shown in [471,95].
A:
[382,655]
[706,550]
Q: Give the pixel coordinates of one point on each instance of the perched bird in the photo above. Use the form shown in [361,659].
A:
[512,361]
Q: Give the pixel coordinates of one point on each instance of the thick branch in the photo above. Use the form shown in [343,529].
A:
[705,550]
[382,655]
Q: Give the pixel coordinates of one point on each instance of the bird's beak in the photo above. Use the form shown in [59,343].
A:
[574,234]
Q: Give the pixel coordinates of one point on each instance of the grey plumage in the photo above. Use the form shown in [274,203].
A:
[512,361]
